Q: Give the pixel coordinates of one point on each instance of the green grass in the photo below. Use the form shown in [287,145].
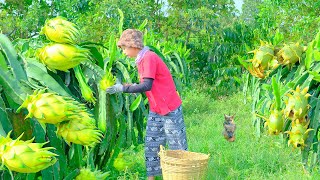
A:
[248,157]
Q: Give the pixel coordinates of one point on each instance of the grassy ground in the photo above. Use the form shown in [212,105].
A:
[246,158]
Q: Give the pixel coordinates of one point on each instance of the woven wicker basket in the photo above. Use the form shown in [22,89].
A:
[180,164]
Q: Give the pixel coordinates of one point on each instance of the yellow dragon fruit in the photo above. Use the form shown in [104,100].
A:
[86,173]
[297,104]
[263,61]
[25,156]
[263,55]
[298,134]
[60,30]
[107,80]
[50,107]
[62,56]
[80,129]
[290,54]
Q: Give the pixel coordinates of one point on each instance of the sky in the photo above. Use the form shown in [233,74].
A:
[238,4]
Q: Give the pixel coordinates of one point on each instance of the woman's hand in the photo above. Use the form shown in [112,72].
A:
[115,88]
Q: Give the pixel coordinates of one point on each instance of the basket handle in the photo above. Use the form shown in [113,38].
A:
[161,147]
[161,150]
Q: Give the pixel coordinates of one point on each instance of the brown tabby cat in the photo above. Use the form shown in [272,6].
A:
[229,128]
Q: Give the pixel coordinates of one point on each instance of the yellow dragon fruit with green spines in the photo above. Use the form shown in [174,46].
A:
[62,56]
[290,54]
[86,173]
[263,55]
[60,30]
[25,156]
[263,61]
[298,134]
[81,129]
[51,108]
[107,80]
[297,104]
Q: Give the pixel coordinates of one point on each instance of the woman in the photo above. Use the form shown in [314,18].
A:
[165,122]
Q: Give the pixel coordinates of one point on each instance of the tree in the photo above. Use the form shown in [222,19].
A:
[292,18]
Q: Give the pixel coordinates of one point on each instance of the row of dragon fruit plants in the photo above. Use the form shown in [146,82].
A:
[57,121]
[285,90]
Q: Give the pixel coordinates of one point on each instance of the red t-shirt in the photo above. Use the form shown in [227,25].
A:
[163,97]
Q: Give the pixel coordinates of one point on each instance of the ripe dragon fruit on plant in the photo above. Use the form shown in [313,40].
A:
[298,134]
[263,55]
[73,121]
[50,107]
[62,56]
[290,54]
[297,104]
[80,129]
[25,156]
[60,30]
[263,60]
[86,173]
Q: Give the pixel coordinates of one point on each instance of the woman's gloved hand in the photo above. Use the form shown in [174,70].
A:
[118,87]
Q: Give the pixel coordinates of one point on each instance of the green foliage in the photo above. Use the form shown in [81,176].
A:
[25,18]
[202,40]
[248,157]
[120,116]
[292,18]
[199,25]
[211,29]
[206,29]
[272,90]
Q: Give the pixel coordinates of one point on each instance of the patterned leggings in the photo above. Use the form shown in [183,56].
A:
[168,129]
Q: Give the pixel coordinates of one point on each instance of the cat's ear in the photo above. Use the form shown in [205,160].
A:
[225,116]
[233,115]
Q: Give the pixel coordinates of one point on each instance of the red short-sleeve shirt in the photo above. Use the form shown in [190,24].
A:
[163,97]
